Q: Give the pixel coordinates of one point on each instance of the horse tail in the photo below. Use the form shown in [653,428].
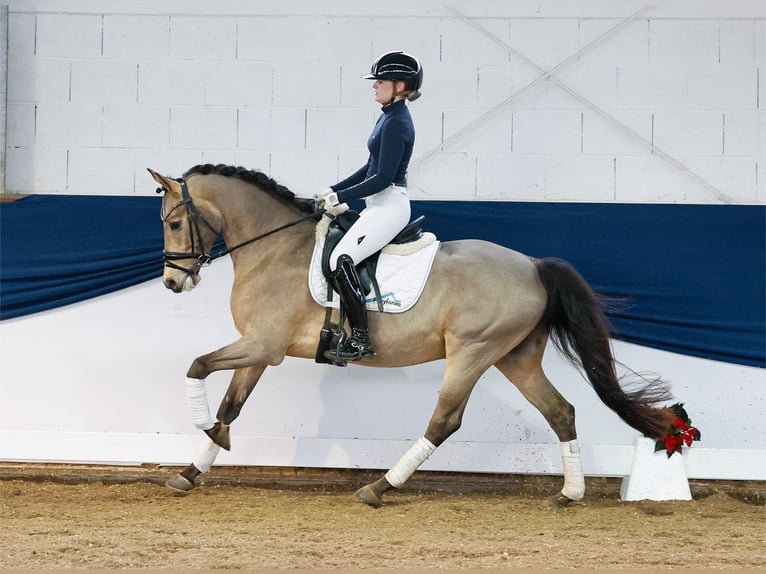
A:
[579,329]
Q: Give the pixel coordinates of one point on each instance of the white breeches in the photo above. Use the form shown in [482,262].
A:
[386,214]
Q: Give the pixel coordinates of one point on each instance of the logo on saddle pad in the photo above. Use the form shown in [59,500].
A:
[401,272]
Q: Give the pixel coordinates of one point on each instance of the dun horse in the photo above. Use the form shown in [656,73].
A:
[509,305]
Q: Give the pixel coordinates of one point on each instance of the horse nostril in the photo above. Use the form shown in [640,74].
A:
[170,284]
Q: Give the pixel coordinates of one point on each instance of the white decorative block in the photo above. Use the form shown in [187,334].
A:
[104,81]
[36,170]
[547,132]
[722,87]
[649,179]
[101,171]
[449,86]
[737,41]
[203,38]
[68,125]
[626,46]
[237,83]
[20,125]
[135,126]
[679,42]
[744,134]
[510,177]
[33,79]
[492,135]
[412,34]
[21,34]
[307,86]
[456,35]
[448,175]
[654,476]
[136,36]
[595,84]
[166,82]
[68,35]
[579,178]
[299,39]
[271,129]
[689,133]
[495,85]
[304,173]
[335,129]
[617,136]
[203,127]
[546,42]
[651,87]
[733,176]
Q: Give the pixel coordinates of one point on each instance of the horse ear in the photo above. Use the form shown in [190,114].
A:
[166,183]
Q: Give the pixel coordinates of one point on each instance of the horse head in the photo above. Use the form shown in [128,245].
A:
[187,231]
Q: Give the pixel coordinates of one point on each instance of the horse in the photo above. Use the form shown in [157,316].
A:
[510,304]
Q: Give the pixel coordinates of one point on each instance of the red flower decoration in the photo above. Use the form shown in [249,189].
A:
[681,432]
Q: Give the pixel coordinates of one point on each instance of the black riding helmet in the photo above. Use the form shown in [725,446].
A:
[397,66]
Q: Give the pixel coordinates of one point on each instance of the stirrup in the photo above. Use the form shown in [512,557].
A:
[355,348]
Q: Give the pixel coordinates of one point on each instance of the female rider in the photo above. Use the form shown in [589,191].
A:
[382,182]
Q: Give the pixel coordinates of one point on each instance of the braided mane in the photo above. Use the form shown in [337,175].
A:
[257,178]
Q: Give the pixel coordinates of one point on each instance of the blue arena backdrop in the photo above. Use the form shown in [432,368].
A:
[689,278]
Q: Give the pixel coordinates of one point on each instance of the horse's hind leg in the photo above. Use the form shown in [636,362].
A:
[459,379]
[242,384]
[523,367]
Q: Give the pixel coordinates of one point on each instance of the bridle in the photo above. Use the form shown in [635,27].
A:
[194,217]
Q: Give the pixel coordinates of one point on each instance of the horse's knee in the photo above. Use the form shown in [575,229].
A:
[198,369]
[440,429]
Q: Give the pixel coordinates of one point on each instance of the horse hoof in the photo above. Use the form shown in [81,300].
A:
[367,495]
[559,500]
[179,485]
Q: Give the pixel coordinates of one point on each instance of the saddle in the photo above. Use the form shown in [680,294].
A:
[332,334]
[366,268]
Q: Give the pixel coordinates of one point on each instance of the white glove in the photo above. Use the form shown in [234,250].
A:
[321,197]
[328,200]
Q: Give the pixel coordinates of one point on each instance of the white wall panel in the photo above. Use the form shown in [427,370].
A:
[38,80]
[670,60]
[136,36]
[20,126]
[722,87]
[203,38]
[547,132]
[689,133]
[165,82]
[104,81]
[203,128]
[21,34]
[519,176]
[101,171]
[68,125]
[68,35]
[580,178]
[670,42]
[40,168]
[136,126]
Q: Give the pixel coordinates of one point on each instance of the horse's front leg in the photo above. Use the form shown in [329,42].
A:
[242,384]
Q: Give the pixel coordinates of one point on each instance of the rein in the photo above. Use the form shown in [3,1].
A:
[203,259]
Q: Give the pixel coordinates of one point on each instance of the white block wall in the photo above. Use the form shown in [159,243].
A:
[98,91]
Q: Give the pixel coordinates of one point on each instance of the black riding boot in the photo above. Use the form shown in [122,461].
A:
[346,282]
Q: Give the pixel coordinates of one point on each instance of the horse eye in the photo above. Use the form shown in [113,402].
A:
[174,225]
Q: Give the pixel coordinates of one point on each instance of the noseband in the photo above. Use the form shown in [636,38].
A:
[193,217]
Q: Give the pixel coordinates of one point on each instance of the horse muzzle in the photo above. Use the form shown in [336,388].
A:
[189,282]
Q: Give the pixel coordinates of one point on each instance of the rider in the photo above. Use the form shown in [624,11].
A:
[382,182]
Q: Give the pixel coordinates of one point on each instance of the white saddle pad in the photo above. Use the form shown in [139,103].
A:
[402,272]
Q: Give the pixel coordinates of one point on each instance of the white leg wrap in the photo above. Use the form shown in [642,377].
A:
[409,463]
[574,479]
[196,392]
[206,456]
